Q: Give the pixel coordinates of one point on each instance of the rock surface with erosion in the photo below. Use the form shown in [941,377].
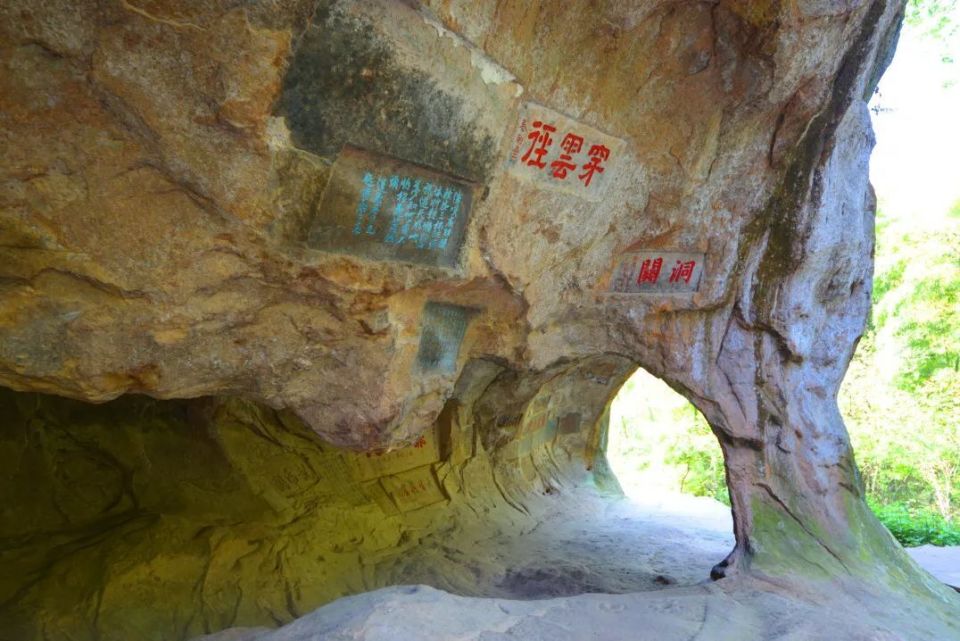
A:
[305,298]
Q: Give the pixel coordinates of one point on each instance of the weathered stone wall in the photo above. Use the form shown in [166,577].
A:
[143,519]
[332,207]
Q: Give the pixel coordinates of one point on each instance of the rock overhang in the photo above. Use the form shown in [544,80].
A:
[405,84]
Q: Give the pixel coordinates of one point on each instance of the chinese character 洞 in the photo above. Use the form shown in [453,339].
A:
[650,271]
[540,141]
[598,154]
[572,144]
[682,271]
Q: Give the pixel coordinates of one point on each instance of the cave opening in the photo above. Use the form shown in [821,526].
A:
[659,445]
[669,465]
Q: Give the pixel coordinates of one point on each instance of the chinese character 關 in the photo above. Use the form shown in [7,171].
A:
[650,271]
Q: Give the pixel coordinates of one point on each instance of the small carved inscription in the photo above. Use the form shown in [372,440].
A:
[413,489]
[386,209]
[537,414]
[444,327]
[652,272]
[370,465]
[557,152]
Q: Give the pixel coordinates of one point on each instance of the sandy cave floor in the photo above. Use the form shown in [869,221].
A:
[600,544]
[586,544]
[595,567]
[943,563]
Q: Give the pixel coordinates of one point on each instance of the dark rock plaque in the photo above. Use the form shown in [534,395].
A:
[387,209]
[443,329]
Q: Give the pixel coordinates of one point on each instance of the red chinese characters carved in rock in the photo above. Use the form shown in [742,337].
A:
[411,489]
[540,141]
[682,271]
[650,271]
[645,271]
[598,154]
[571,145]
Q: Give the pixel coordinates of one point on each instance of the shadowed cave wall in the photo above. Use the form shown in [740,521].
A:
[144,519]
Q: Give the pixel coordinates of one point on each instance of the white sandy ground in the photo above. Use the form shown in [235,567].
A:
[586,544]
[650,560]
[943,563]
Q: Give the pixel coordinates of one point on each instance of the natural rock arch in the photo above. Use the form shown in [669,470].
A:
[201,202]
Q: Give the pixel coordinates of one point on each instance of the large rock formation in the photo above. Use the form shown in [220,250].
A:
[372,216]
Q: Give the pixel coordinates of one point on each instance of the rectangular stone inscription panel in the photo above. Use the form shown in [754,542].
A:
[365,466]
[656,272]
[413,489]
[558,153]
[386,209]
[443,329]
[536,415]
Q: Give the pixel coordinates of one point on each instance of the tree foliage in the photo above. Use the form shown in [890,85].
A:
[901,397]
[936,18]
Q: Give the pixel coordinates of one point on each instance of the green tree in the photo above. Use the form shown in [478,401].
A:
[901,397]
[936,18]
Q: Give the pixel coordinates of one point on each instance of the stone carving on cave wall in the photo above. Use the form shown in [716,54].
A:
[384,209]
[555,152]
[645,272]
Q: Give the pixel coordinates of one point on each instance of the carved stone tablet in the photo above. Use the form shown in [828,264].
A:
[386,209]
[536,416]
[656,272]
[370,465]
[559,153]
[413,489]
[443,329]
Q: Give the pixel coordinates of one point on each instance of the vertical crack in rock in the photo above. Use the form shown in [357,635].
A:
[799,188]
